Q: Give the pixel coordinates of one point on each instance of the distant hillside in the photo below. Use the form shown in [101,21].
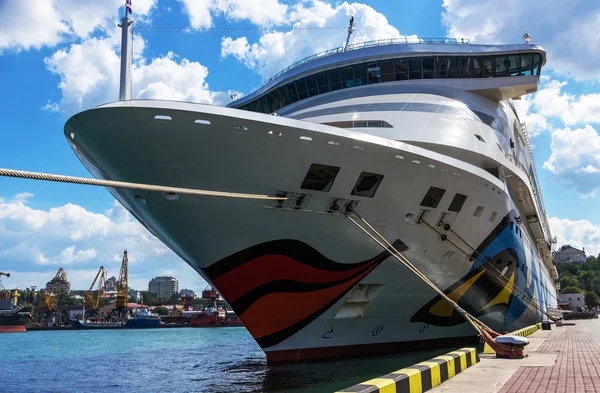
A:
[576,277]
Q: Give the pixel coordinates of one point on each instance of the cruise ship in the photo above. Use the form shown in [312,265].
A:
[419,137]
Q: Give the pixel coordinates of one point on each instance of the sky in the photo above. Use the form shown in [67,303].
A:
[58,57]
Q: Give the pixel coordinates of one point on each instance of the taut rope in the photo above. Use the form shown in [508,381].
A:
[133,186]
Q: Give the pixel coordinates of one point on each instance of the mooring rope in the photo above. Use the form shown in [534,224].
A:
[133,186]
[503,280]
[477,325]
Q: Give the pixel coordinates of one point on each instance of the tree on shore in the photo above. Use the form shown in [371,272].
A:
[161,310]
[591,299]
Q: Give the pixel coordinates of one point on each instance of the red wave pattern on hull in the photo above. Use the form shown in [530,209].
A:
[279,287]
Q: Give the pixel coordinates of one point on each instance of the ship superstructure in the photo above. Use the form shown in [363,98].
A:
[419,138]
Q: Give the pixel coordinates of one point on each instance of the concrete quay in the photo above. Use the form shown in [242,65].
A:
[563,360]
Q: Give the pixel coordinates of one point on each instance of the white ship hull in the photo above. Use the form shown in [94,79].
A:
[305,282]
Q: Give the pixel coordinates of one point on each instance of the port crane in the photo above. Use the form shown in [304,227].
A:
[120,311]
[92,297]
[184,303]
[52,293]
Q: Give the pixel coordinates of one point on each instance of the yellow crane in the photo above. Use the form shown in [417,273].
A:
[184,302]
[53,290]
[92,298]
[122,284]
[51,295]
[120,309]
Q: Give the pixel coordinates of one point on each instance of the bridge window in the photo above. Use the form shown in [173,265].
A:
[301,87]
[387,71]
[311,85]
[373,73]
[526,64]
[347,77]
[360,74]
[537,63]
[334,79]
[465,67]
[428,68]
[398,70]
[292,92]
[401,69]
[322,82]
[414,66]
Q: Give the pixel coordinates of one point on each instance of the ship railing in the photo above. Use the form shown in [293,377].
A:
[525,132]
[367,44]
[536,190]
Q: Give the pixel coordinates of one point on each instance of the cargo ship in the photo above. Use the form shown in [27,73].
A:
[140,319]
[417,136]
[13,318]
[213,314]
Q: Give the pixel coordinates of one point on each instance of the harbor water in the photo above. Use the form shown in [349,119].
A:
[173,360]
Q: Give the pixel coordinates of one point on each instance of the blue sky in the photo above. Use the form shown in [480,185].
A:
[59,57]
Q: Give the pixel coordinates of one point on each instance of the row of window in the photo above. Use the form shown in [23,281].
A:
[321,177]
[434,195]
[360,124]
[397,70]
[497,123]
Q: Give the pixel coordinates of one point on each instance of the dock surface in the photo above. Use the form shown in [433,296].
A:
[563,360]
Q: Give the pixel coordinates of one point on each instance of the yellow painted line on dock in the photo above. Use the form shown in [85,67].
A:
[420,377]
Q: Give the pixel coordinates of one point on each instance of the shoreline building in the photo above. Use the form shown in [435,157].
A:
[163,287]
[567,253]
[188,293]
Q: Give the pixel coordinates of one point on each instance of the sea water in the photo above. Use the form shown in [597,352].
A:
[171,360]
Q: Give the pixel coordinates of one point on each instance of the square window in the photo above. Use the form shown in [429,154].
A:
[457,203]
[478,211]
[433,197]
[320,177]
[367,184]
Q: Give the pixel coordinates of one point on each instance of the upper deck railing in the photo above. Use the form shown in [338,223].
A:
[368,44]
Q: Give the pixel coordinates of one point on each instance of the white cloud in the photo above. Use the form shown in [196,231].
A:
[51,107]
[575,158]
[259,12]
[566,29]
[536,123]
[38,23]
[276,50]
[69,236]
[568,108]
[550,104]
[22,196]
[89,73]
[580,233]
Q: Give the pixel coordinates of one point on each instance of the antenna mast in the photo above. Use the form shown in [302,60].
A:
[350,31]
[126,46]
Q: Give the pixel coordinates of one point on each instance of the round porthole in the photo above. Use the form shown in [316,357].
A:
[172,196]
[141,199]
